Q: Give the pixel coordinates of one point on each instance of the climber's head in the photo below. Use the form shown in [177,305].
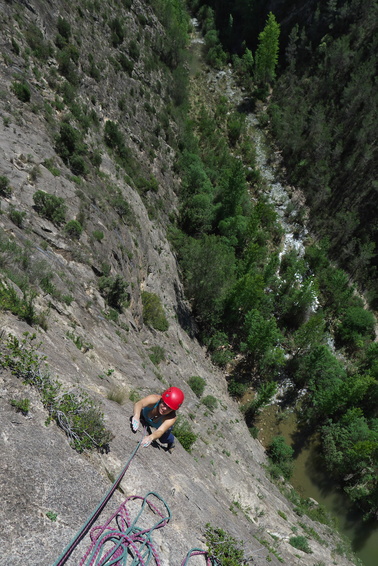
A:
[173,398]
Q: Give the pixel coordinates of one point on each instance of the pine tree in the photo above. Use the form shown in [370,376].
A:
[266,57]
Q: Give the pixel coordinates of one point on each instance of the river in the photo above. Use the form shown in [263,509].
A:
[311,480]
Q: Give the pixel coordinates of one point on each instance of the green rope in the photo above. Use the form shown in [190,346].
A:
[85,528]
[120,539]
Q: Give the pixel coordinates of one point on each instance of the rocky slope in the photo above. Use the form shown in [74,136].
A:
[222,481]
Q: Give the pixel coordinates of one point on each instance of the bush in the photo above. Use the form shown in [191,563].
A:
[78,165]
[74,229]
[210,402]
[40,48]
[224,547]
[96,158]
[98,235]
[16,216]
[21,406]
[153,313]
[22,91]
[113,289]
[121,206]
[356,324]
[23,308]
[221,357]
[117,32]
[281,455]
[134,396]
[64,28]
[5,189]
[235,126]
[74,412]
[50,206]
[134,50]
[157,355]
[67,67]
[184,433]
[118,395]
[197,384]
[69,142]
[301,543]
[113,137]
[236,388]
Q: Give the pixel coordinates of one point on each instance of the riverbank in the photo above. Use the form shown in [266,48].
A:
[311,480]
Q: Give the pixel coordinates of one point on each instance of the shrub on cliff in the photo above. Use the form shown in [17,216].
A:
[153,313]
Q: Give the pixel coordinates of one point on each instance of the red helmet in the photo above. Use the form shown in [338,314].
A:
[173,397]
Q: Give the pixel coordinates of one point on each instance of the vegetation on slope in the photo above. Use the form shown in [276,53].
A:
[322,113]
[288,317]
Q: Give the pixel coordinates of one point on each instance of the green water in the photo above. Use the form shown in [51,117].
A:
[311,480]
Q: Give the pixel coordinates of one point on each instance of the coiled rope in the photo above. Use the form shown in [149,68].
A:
[85,528]
[120,541]
[120,538]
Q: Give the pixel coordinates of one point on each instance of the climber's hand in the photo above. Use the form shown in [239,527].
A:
[146,441]
[134,424]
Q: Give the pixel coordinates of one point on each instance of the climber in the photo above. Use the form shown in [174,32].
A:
[158,412]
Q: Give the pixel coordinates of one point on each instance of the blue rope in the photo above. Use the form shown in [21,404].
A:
[84,530]
[121,538]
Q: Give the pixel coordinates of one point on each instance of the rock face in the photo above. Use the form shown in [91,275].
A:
[49,490]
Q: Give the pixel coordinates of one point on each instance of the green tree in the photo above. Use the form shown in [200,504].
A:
[232,193]
[357,325]
[197,214]
[74,229]
[215,55]
[71,148]
[309,334]
[264,394]
[246,294]
[114,291]
[247,62]
[324,375]
[50,206]
[281,455]
[335,290]
[153,312]
[296,291]
[263,340]
[209,270]
[351,454]
[266,56]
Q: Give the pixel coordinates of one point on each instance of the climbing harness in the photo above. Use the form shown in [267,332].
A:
[120,541]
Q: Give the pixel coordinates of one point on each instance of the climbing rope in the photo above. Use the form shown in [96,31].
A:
[84,530]
[120,538]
